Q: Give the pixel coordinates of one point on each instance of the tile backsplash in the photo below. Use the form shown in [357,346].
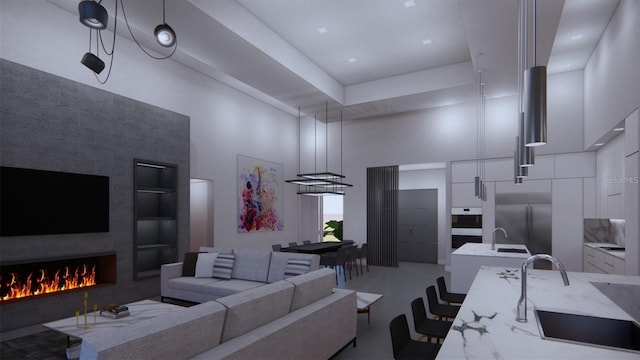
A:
[604,231]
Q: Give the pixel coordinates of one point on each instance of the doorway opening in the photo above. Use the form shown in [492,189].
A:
[201,215]
[332,211]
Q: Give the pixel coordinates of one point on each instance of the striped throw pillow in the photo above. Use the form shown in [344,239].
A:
[296,267]
[223,266]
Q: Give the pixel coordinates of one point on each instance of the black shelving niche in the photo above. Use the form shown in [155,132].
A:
[156,217]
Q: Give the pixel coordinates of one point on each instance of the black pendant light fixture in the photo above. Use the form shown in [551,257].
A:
[164,33]
[535,93]
[320,183]
[92,14]
[95,16]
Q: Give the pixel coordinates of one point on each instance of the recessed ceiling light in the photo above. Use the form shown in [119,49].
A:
[618,129]
[576,37]
[409,3]
[352,60]
[598,144]
[427,41]
[322,30]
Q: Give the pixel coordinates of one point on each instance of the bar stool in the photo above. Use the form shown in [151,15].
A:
[449,298]
[440,310]
[428,327]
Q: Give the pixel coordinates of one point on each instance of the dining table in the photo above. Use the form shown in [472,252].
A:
[318,248]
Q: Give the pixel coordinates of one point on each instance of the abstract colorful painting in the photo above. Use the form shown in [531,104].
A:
[260,195]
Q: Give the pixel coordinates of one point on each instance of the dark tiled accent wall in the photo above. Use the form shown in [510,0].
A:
[51,123]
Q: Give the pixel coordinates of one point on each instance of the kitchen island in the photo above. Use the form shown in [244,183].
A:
[486,326]
[466,261]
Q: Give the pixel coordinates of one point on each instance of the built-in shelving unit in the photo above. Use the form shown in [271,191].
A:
[155,217]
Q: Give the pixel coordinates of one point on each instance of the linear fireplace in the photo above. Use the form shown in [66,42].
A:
[44,277]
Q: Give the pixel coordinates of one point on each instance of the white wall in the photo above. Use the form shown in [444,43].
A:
[224,121]
[611,77]
[431,179]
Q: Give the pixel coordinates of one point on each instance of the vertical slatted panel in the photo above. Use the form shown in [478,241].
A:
[382,215]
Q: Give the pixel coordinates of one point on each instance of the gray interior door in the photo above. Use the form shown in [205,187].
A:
[418,225]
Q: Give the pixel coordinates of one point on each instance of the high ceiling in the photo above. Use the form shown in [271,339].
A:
[367,57]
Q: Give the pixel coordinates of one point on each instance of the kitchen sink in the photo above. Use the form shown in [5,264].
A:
[589,330]
[512,250]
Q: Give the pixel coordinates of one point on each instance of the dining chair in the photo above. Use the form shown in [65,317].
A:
[306,242]
[446,296]
[362,254]
[351,253]
[440,310]
[404,347]
[335,260]
[293,244]
[428,327]
[276,247]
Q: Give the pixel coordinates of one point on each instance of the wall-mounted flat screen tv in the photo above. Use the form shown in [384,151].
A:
[38,202]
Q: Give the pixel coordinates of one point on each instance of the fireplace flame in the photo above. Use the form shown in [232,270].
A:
[39,282]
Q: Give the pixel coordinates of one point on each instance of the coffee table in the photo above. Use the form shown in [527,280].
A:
[140,310]
[364,302]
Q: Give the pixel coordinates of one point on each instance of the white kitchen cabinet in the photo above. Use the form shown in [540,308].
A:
[600,261]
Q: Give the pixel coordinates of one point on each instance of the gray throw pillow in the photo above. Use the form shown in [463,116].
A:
[296,267]
[223,266]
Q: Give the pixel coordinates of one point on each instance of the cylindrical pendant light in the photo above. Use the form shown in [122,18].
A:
[476,182]
[535,96]
[516,167]
[527,157]
[535,105]
[521,172]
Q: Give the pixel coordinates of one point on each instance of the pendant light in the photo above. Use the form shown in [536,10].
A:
[93,14]
[164,33]
[526,157]
[535,92]
[521,172]
[320,183]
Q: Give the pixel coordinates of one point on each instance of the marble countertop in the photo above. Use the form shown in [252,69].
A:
[600,245]
[484,249]
[486,326]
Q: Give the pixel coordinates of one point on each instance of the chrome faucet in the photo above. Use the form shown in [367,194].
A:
[493,239]
[522,308]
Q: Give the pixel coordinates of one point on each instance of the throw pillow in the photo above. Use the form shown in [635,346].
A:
[189,264]
[223,266]
[296,267]
[204,265]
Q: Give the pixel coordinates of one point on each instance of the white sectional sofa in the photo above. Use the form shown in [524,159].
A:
[301,317]
[252,268]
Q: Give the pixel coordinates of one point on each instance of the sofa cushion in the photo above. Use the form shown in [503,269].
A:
[279,262]
[190,283]
[189,264]
[296,267]
[312,286]
[253,308]
[223,266]
[205,265]
[251,265]
[228,287]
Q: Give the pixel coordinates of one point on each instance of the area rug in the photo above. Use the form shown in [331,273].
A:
[45,345]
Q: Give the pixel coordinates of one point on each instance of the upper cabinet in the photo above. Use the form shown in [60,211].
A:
[155,217]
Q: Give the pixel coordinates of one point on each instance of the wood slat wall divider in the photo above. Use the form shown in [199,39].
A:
[382,215]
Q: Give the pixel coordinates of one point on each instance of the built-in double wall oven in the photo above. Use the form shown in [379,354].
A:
[466,226]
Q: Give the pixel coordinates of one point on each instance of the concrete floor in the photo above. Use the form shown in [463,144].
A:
[399,286]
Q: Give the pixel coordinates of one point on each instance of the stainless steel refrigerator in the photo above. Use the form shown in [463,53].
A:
[527,219]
